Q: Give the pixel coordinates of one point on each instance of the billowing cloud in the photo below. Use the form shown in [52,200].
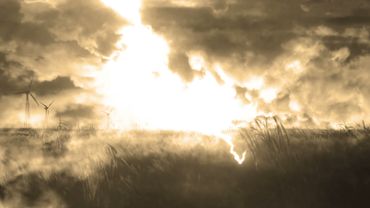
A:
[54,86]
[59,38]
[312,55]
[57,44]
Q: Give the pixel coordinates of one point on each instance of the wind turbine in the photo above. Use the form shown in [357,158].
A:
[108,113]
[28,93]
[46,108]
[60,123]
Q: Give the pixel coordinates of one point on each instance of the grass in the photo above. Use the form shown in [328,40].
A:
[284,168]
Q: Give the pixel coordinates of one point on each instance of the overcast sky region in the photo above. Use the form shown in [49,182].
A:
[307,61]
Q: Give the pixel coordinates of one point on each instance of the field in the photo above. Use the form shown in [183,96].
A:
[88,168]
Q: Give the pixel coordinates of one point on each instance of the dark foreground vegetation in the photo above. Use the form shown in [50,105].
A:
[284,168]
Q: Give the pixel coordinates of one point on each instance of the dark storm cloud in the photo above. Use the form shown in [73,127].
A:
[51,43]
[55,86]
[11,18]
[220,37]
[329,41]
[58,39]
[43,24]
[10,85]
[82,21]
[12,27]
[252,32]
[13,76]
[180,62]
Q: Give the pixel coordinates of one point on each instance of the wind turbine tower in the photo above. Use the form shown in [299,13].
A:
[46,108]
[28,94]
[108,114]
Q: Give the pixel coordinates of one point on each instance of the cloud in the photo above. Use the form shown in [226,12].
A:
[14,76]
[54,86]
[57,44]
[246,34]
[60,38]
[313,53]
[180,62]
[329,89]
[12,84]
[245,26]
[72,21]
[74,111]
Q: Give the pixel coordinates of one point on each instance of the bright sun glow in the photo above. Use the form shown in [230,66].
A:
[144,92]
[294,106]
[128,9]
[196,63]
[255,83]
[34,120]
[268,95]
[138,84]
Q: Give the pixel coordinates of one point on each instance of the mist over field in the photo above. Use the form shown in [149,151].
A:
[174,103]
[282,168]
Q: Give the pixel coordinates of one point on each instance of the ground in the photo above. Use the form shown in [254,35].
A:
[89,168]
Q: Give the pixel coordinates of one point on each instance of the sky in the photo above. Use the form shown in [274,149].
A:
[197,65]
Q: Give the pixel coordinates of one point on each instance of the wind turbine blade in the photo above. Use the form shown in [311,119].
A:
[19,92]
[45,106]
[34,99]
[51,104]
[42,103]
